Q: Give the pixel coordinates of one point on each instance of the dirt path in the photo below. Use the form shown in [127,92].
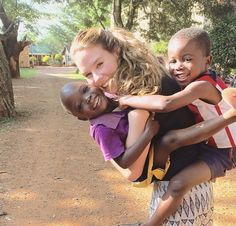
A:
[52,173]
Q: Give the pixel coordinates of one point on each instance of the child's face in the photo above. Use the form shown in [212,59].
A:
[97,65]
[186,60]
[88,102]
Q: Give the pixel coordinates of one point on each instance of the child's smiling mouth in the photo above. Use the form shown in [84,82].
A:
[181,77]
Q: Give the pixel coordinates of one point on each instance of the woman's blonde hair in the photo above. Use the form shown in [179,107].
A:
[139,71]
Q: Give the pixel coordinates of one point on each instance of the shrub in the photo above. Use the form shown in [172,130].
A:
[223,36]
[58,57]
[46,59]
[160,48]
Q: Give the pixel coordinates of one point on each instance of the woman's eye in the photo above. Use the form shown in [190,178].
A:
[99,65]
[88,75]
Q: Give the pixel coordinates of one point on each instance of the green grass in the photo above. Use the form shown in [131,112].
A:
[75,75]
[27,72]
[30,72]
[6,122]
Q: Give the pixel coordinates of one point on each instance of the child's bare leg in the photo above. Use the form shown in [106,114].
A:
[179,185]
[191,135]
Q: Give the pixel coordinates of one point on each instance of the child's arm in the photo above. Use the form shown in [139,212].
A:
[141,130]
[158,103]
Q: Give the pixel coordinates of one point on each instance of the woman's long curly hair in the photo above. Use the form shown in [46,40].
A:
[139,71]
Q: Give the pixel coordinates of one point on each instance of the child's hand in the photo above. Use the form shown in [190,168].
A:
[123,101]
[152,125]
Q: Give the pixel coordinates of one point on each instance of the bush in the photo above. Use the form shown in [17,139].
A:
[58,57]
[32,59]
[223,36]
[46,59]
[160,48]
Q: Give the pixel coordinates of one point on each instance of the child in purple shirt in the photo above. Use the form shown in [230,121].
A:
[113,131]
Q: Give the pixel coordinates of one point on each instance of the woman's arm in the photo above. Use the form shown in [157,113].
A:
[137,143]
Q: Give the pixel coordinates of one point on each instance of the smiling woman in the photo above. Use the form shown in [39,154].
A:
[96,64]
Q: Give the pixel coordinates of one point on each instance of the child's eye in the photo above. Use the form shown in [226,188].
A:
[85,89]
[188,59]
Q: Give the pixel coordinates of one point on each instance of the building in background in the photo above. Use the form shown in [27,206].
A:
[24,60]
[38,53]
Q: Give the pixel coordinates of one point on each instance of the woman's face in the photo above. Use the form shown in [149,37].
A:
[97,65]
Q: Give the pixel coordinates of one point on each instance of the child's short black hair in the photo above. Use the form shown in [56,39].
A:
[198,35]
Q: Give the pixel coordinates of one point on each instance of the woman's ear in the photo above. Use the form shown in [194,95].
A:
[116,51]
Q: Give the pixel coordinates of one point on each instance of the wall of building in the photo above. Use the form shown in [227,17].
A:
[24,58]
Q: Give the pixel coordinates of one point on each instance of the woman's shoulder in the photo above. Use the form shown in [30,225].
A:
[169,85]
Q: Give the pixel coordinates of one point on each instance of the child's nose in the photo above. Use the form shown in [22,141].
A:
[87,99]
[179,65]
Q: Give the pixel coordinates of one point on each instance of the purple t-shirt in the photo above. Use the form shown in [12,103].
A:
[110,132]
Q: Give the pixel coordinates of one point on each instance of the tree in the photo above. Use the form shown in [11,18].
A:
[125,13]
[12,47]
[17,12]
[7,108]
[92,13]
[224,46]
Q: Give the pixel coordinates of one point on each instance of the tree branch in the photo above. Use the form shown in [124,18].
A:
[4,18]
[23,44]
[117,13]
[132,13]
[96,12]
[5,35]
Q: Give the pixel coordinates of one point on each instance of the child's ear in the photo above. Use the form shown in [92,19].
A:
[208,60]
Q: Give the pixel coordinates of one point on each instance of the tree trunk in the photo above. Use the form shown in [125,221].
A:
[131,14]
[13,52]
[11,46]
[117,13]
[7,108]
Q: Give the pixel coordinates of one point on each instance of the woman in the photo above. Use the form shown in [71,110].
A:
[122,65]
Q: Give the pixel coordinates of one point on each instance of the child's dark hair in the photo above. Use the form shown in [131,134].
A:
[197,35]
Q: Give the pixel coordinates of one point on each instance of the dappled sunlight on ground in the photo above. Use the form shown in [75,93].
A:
[20,195]
[225,200]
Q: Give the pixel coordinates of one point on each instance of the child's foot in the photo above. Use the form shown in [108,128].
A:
[229,95]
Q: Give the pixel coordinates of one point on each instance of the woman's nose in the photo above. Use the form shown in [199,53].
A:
[95,80]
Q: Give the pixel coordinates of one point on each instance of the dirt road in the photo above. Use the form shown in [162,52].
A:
[52,173]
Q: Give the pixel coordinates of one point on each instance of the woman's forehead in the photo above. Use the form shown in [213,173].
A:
[86,58]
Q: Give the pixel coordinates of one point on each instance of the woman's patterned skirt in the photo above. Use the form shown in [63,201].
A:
[196,208]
